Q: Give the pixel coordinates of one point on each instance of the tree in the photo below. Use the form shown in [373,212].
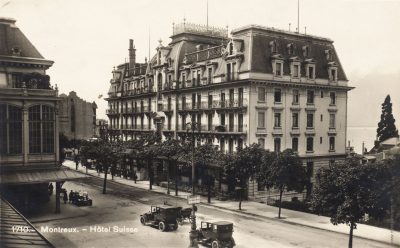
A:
[172,150]
[206,156]
[347,191]
[390,189]
[148,152]
[105,152]
[242,165]
[283,171]
[386,127]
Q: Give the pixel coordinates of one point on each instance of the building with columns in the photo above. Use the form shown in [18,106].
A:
[261,85]
[29,127]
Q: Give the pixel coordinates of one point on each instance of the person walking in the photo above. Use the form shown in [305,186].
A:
[134,176]
[76,161]
[71,194]
[51,188]
[65,197]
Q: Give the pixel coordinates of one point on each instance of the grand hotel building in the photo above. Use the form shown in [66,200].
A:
[259,85]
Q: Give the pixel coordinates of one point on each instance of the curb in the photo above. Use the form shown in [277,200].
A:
[254,215]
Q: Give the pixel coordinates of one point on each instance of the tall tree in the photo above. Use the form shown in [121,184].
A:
[148,152]
[245,163]
[386,127]
[347,191]
[172,150]
[283,171]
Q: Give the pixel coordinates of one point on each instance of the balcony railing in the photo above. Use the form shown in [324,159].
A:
[216,128]
[135,127]
[213,105]
[111,111]
[209,53]
[192,28]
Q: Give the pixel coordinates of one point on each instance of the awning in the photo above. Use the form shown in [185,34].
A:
[16,231]
[40,176]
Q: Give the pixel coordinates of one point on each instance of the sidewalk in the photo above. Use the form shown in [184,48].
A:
[261,210]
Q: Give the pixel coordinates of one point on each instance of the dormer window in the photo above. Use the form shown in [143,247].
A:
[273,46]
[290,49]
[310,71]
[278,68]
[329,55]
[333,74]
[306,51]
[16,51]
[295,70]
[230,48]
[159,57]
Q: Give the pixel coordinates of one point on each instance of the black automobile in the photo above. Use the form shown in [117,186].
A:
[163,217]
[216,233]
[81,199]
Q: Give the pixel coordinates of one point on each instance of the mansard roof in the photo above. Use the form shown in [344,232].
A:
[11,37]
[262,53]
[15,45]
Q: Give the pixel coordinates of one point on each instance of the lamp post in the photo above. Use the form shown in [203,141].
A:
[193,232]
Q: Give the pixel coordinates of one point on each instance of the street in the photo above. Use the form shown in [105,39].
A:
[113,221]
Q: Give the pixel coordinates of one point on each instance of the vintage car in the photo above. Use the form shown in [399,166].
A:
[216,233]
[163,217]
[81,199]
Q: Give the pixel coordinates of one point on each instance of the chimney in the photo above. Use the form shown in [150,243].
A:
[132,57]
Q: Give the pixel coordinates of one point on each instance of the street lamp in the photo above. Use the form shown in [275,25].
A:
[193,232]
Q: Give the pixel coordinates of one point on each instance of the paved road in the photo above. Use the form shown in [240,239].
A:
[122,205]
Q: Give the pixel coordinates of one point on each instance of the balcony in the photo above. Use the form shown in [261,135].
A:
[206,105]
[202,55]
[215,129]
[165,107]
[112,112]
[133,127]
[229,104]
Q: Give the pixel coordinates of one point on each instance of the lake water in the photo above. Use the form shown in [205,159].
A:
[358,135]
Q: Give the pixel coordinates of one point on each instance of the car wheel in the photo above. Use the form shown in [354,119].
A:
[162,226]
[215,244]
[180,221]
[143,221]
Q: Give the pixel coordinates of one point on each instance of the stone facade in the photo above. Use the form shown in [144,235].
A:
[260,85]
[77,117]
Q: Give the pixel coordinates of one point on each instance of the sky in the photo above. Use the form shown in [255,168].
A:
[87,38]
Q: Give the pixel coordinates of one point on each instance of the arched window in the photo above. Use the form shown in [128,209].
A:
[10,129]
[41,129]
[230,48]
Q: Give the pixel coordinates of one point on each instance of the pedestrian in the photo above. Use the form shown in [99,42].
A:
[134,176]
[112,171]
[76,162]
[51,188]
[71,195]
[65,198]
[98,169]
